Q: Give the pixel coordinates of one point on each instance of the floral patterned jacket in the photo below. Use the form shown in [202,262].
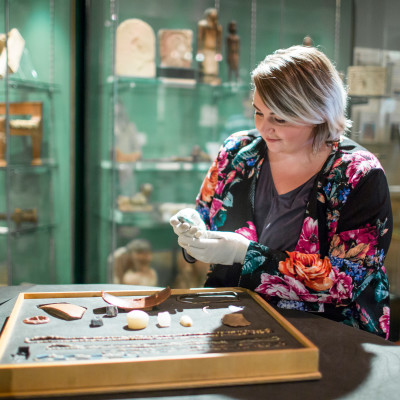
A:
[337,267]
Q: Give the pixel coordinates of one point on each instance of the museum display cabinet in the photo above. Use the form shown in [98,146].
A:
[374,88]
[153,131]
[35,90]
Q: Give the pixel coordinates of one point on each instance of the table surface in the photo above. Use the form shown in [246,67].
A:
[354,364]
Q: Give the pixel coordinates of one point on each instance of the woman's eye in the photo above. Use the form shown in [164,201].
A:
[280,121]
[258,113]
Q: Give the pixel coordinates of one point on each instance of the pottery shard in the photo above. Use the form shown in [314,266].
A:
[236,319]
[65,311]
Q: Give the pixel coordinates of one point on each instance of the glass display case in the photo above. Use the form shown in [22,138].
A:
[35,90]
[374,87]
[156,113]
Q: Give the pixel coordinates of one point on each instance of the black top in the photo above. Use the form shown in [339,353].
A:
[279,218]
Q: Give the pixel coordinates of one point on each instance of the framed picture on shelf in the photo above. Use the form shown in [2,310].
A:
[367,80]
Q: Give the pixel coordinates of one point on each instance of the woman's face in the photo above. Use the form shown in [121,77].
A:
[280,136]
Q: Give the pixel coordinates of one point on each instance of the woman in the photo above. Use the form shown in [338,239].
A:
[293,210]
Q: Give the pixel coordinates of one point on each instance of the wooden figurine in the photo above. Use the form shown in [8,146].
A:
[233,46]
[209,41]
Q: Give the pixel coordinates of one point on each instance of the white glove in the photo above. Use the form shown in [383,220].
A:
[216,247]
[187,222]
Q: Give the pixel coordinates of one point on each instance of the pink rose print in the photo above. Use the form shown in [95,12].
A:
[308,242]
[384,321]
[215,207]
[367,236]
[220,187]
[222,159]
[224,181]
[231,177]
[332,229]
[287,288]
[249,233]
[362,163]
[342,286]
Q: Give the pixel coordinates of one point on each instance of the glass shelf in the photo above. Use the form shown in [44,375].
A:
[144,165]
[46,166]
[4,230]
[140,219]
[129,83]
[17,83]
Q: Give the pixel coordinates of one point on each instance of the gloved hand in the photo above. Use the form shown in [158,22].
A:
[216,247]
[187,222]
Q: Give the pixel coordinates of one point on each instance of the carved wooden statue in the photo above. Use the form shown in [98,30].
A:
[233,47]
[209,41]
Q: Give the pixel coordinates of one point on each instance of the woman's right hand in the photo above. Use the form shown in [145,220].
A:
[187,222]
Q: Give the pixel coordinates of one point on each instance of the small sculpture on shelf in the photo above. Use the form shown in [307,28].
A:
[140,202]
[233,47]
[128,140]
[131,264]
[196,155]
[15,47]
[307,41]
[176,53]
[209,42]
[22,127]
[135,49]
[176,47]
[19,216]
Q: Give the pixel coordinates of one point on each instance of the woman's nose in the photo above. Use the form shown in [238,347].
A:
[266,126]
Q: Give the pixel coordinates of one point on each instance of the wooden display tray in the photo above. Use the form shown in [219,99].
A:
[293,358]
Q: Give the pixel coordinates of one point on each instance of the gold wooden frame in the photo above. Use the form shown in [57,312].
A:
[156,373]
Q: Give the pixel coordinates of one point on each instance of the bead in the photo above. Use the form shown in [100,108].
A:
[164,319]
[137,319]
[186,321]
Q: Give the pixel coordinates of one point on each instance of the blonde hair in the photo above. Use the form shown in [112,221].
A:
[301,85]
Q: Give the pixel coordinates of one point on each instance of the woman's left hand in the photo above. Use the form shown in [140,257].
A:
[216,247]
